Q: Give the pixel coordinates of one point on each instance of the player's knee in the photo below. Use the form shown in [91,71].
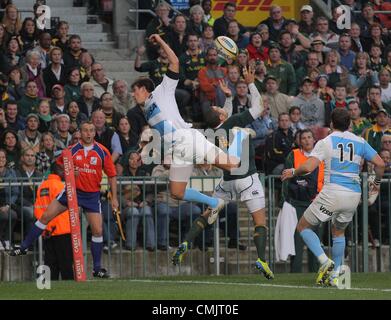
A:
[97,231]
[177,195]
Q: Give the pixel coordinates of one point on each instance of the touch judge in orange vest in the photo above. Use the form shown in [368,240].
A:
[57,237]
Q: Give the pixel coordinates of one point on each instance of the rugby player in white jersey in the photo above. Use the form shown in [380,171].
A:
[342,153]
[187,145]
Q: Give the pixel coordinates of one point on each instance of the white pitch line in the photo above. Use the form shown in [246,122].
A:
[250,284]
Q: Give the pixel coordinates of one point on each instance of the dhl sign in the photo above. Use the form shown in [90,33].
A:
[251,12]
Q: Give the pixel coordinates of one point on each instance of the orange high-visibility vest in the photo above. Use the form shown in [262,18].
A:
[299,157]
[48,191]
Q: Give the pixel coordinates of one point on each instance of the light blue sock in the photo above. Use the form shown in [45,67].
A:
[235,149]
[196,196]
[338,251]
[313,243]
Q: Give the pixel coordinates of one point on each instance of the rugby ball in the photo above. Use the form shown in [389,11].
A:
[226,48]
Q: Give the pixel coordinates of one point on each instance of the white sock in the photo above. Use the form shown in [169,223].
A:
[323,258]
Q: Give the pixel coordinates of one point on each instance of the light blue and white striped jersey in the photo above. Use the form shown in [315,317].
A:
[161,110]
[342,153]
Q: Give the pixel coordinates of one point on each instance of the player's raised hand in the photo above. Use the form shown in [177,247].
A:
[224,87]
[140,50]
[249,75]
[287,174]
[155,39]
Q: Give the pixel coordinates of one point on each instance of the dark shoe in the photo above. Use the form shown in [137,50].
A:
[102,273]
[17,251]
[233,244]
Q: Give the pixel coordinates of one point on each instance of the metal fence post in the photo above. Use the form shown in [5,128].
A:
[365,223]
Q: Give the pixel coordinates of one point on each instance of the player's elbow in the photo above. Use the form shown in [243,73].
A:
[177,195]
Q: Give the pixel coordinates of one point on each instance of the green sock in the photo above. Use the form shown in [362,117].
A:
[260,241]
[198,226]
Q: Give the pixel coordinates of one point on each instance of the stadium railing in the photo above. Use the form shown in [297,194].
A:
[364,254]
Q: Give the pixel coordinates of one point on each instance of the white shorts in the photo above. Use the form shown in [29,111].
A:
[333,204]
[191,147]
[248,190]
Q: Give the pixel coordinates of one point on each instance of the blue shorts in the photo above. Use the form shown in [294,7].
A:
[89,201]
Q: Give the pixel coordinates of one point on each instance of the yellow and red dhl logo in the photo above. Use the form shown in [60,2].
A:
[249,5]
[252,12]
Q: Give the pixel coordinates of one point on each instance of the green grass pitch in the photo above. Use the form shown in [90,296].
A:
[284,286]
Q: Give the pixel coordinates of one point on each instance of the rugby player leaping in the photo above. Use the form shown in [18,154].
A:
[188,146]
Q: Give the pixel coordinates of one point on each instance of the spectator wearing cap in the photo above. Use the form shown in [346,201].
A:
[361,76]
[30,100]
[373,103]
[385,85]
[220,26]
[58,103]
[99,80]
[306,23]
[359,124]
[318,46]
[14,120]
[63,124]
[311,107]
[275,22]
[88,102]
[282,70]
[290,52]
[278,102]
[256,50]
[55,72]
[374,134]
[30,137]
[32,71]
[347,55]
[322,28]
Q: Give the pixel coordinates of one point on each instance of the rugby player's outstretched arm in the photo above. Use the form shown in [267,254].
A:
[171,56]
[256,99]
[379,166]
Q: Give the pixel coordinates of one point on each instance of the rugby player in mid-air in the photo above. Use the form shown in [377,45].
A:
[245,186]
[187,145]
[342,153]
